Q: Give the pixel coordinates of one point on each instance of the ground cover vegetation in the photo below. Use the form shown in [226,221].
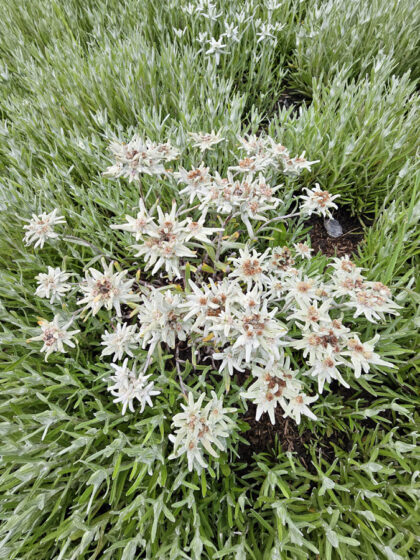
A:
[191,367]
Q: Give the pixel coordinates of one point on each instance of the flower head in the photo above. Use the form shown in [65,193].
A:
[53,284]
[318,202]
[129,385]
[161,319]
[55,335]
[362,355]
[106,289]
[205,141]
[121,341]
[164,243]
[199,428]
[216,47]
[40,228]
[140,156]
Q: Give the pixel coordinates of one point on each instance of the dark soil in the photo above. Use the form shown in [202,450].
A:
[288,99]
[264,437]
[346,244]
[291,99]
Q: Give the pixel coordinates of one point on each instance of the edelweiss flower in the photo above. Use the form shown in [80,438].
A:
[140,156]
[311,314]
[250,197]
[253,145]
[250,268]
[303,250]
[259,333]
[165,243]
[325,370]
[231,32]
[217,48]
[198,428]
[265,31]
[362,355]
[298,406]
[274,386]
[129,385]
[40,228]
[106,289]
[301,290]
[52,285]
[252,164]
[205,141]
[55,335]
[162,319]
[281,261]
[318,202]
[209,12]
[231,360]
[372,305]
[279,153]
[121,341]
[197,181]
[294,166]
[138,226]
[197,230]
[343,266]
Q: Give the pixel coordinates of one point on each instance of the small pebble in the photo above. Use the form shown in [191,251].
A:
[333,228]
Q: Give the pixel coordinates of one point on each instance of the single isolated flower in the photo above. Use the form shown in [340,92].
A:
[129,385]
[318,202]
[40,228]
[55,335]
[53,284]
[217,48]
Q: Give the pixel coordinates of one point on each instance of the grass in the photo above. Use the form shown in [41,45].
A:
[78,480]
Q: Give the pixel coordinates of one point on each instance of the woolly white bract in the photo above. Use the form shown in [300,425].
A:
[242,307]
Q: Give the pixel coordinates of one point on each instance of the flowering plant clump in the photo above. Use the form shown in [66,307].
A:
[244,306]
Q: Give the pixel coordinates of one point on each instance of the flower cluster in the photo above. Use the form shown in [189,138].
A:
[140,156]
[251,311]
[263,152]
[165,240]
[200,427]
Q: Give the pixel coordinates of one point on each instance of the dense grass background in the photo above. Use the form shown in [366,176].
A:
[78,481]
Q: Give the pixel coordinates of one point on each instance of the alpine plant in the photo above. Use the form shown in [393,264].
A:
[242,309]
